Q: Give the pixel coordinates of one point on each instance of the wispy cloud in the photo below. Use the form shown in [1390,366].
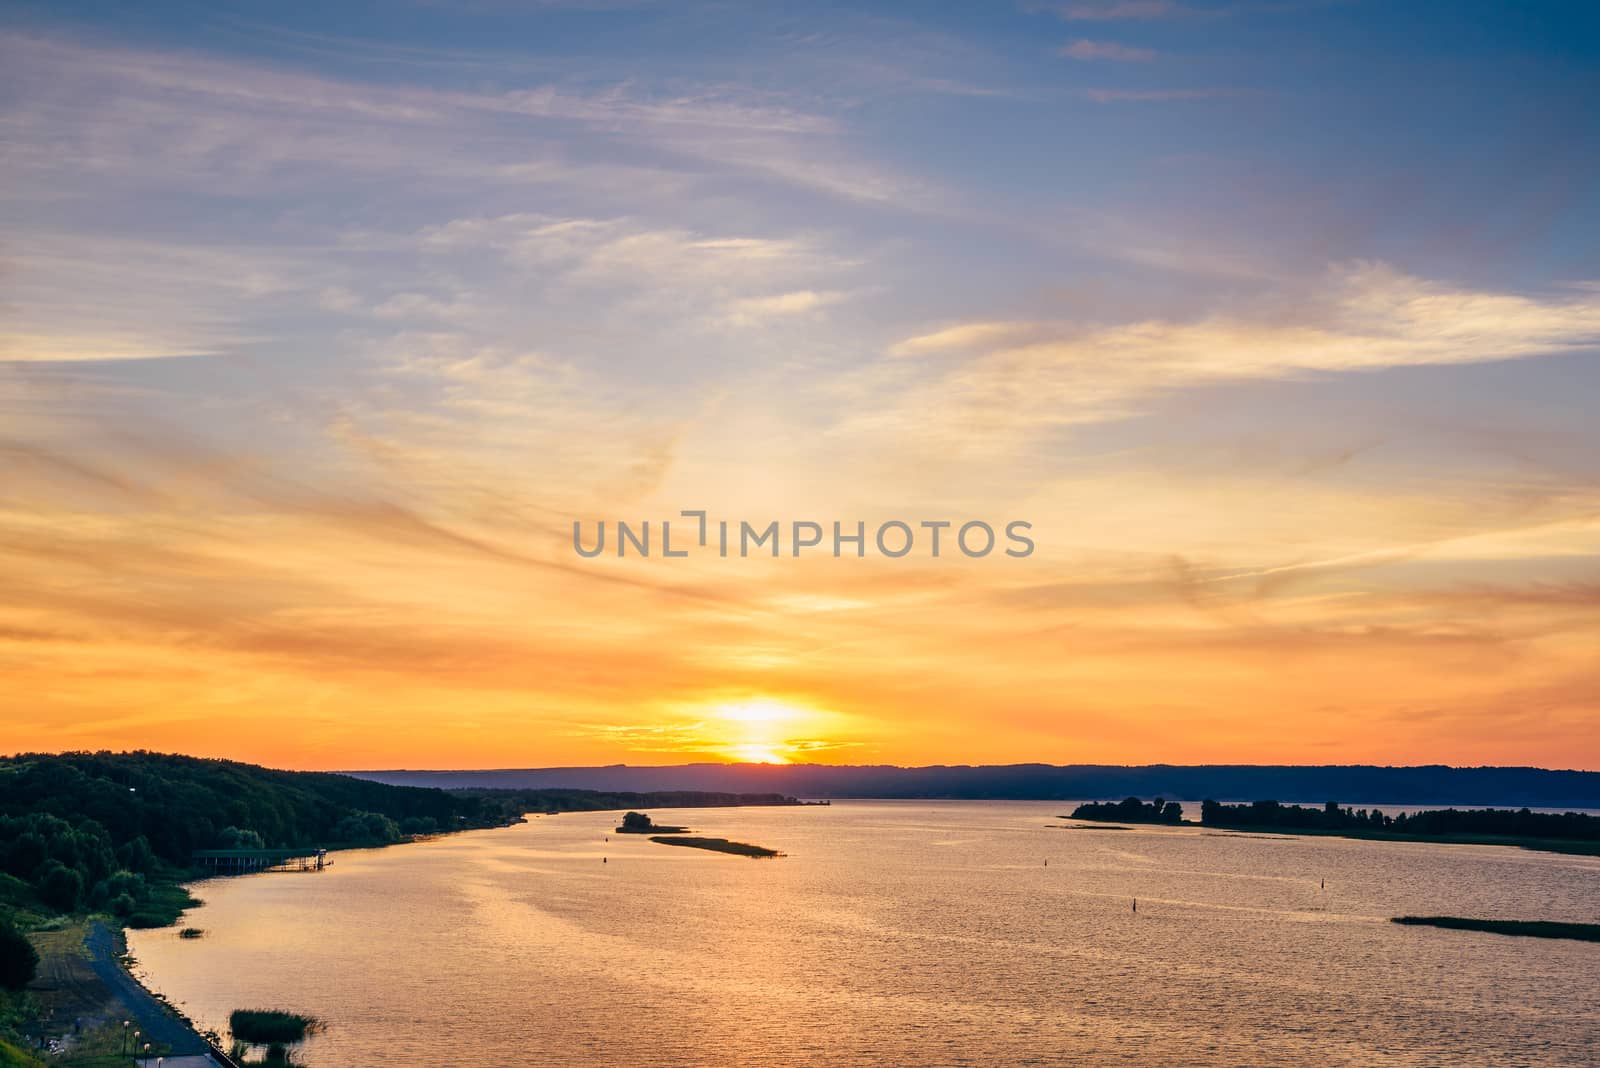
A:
[1115,96]
[1368,317]
[1154,10]
[1086,49]
[750,310]
[179,119]
[1115,10]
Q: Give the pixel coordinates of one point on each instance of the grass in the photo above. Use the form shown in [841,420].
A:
[163,908]
[1582,932]
[717,845]
[67,989]
[12,1057]
[270,1026]
[102,1047]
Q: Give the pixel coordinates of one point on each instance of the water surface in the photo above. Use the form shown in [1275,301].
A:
[901,933]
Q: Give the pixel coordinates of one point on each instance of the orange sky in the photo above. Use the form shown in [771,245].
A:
[162,595]
[313,349]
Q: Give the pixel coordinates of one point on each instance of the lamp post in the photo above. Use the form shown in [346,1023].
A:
[124,1038]
[147,1055]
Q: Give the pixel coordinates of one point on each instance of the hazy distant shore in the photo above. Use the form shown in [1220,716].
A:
[1432,786]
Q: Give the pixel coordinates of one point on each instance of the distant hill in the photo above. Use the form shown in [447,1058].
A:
[1348,784]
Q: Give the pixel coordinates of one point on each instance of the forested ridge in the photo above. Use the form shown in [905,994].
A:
[100,831]
[115,832]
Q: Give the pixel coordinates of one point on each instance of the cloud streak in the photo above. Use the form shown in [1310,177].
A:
[1088,50]
[1368,318]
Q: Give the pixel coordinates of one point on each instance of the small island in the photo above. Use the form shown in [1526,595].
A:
[718,845]
[639,823]
[1130,810]
[1582,932]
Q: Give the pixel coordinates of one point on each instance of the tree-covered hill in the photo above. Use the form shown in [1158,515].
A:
[105,831]
[116,832]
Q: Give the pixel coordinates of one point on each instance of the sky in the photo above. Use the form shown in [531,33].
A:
[322,324]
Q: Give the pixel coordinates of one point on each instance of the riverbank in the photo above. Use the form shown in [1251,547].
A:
[83,992]
[1542,845]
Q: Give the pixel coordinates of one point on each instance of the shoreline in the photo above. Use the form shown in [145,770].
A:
[88,988]
[163,1020]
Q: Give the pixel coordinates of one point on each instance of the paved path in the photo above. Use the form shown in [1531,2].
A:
[159,1023]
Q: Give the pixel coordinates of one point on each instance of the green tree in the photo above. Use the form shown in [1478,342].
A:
[19,961]
[136,855]
[60,887]
[240,838]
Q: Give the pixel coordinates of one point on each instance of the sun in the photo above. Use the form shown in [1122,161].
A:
[757,754]
[758,728]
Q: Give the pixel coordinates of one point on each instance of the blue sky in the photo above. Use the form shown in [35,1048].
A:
[1278,319]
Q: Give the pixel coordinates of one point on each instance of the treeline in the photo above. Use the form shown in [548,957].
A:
[114,832]
[1488,822]
[1433,786]
[1131,810]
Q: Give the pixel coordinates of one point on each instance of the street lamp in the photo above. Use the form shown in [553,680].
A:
[124,1037]
[147,1055]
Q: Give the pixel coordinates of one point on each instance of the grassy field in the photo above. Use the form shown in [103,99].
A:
[83,1013]
[12,1057]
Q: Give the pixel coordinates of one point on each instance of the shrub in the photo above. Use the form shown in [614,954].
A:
[269,1026]
[19,961]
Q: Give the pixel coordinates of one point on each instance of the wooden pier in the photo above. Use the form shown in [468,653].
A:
[242,861]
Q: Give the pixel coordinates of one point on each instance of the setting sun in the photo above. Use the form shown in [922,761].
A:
[756,754]
[760,727]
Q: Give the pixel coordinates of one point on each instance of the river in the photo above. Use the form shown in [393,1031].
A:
[900,933]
